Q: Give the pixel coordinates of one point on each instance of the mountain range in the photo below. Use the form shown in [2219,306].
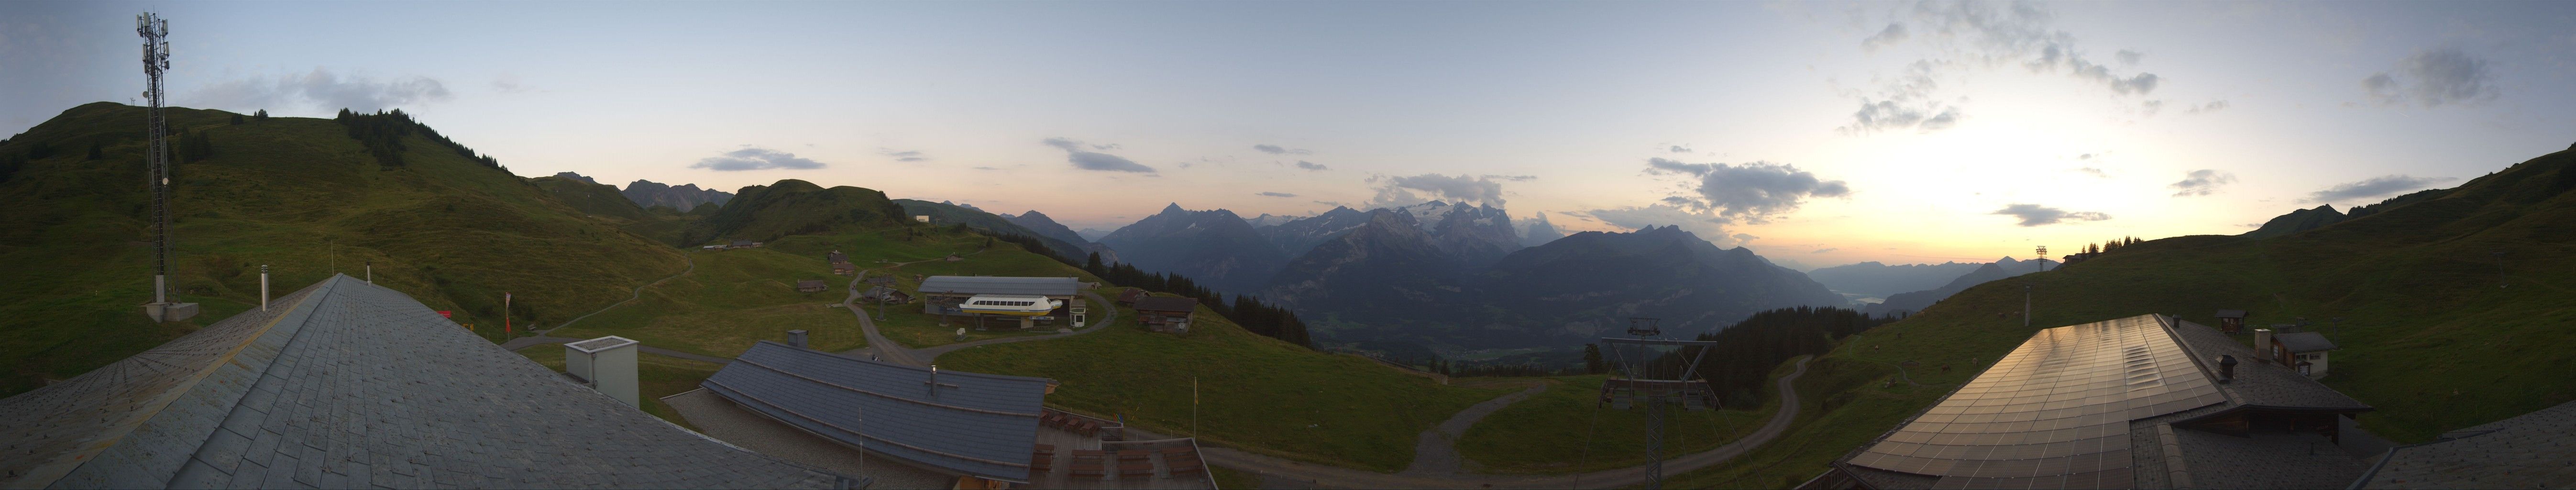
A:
[1874,279]
[1216,248]
[1902,303]
[683,197]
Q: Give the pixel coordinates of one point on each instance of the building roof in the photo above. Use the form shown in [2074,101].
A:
[2527,451]
[346,384]
[2090,406]
[836,256]
[2304,341]
[1166,303]
[973,285]
[742,243]
[2231,313]
[972,424]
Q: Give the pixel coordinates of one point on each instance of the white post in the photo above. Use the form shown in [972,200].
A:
[371,272]
[263,287]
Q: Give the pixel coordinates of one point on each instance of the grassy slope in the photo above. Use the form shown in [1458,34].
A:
[656,377]
[293,193]
[1254,392]
[733,299]
[1562,430]
[2428,337]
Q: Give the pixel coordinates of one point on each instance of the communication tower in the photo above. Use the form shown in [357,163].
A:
[1656,377]
[156,150]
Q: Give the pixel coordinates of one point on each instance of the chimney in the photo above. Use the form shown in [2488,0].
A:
[2263,344]
[2226,369]
[796,338]
[606,364]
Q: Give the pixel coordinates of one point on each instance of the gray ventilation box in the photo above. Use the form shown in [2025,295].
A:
[606,364]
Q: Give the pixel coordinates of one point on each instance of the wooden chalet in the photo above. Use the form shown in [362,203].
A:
[2231,321]
[1165,313]
[811,286]
[844,268]
[1128,297]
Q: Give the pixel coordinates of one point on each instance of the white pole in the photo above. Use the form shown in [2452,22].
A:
[371,272]
[263,287]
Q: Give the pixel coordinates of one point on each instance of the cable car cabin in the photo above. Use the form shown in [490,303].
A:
[1623,393]
[1009,304]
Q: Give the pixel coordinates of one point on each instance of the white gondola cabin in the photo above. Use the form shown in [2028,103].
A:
[1010,304]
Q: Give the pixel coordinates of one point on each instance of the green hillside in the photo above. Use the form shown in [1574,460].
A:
[301,195]
[943,213]
[2428,336]
[764,213]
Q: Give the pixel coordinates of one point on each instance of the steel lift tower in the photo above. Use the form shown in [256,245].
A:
[1656,380]
[156,59]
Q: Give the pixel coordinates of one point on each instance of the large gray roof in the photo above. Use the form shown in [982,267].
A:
[982,425]
[2142,344]
[2529,451]
[350,385]
[2304,341]
[1044,286]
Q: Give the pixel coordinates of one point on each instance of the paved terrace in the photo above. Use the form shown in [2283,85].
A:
[348,385]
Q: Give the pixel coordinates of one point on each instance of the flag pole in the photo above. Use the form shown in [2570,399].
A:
[1194,406]
[505,316]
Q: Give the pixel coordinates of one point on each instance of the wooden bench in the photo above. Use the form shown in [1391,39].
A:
[1088,462]
[1183,460]
[1139,469]
[1042,460]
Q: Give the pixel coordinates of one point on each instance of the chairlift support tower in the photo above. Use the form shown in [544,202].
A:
[1641,381]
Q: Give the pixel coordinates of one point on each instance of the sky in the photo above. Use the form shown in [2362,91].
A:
[1814,133]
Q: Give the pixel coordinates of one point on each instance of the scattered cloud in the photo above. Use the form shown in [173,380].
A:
[1514,178]
[509,84]
[2212,106]
[1280,150]
[319,90]
[986,168]
[1089,160]
[2087,156]
[1402,190]
[2434,77]
[2201,183]
[1975,35]
[2096,172]
[904,155]
[1824,250]
[1277,194]
[2372,188]
[1311,166]
[1751,192]
[1681,149]
[2036,215]
[755,158]
[1892,34]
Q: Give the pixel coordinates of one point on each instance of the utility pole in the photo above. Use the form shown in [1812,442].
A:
[156,150]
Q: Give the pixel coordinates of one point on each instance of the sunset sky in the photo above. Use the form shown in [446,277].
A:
[1815,133]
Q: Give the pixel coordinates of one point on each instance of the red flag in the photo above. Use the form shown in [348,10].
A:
[505,314]
[446,314]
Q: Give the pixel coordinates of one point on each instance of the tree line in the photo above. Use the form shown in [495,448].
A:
[1746,353]
[382,133]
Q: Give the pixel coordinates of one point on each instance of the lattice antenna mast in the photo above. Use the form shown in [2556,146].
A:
[1642,382]
[156,59]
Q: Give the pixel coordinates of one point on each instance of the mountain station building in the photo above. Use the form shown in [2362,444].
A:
[942,295]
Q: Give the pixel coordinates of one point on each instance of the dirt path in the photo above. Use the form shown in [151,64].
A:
[1435,453]
[1337,477]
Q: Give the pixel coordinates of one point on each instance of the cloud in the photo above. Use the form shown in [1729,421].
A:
[1311,165]
[2036,215]
[1640,217]
[756,158]
[2202,182]
[1892,34]
[319,90]
[1824,250]
[2096,172]
[1752,192]
[903,156]
[2212,106]
[1088,160]
[2372,188]
[2087,156]
[1514,178]
[1278,150]
[1400,191]
[2432,78]
[1968,35]
[1277,194]
[1681,149]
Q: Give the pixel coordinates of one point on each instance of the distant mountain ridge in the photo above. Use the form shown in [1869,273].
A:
[1540,232]
[648,193]
[1998,270]
[1882,280]
[1216,248]
[2298,221]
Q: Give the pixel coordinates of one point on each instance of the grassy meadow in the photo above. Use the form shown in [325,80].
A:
[1563,430]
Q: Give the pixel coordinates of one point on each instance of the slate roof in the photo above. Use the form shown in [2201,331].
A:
[973,424]
[2304,341]
[972,285]
[2529,451]
[345,384]
[1166,303]
[2151,448]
